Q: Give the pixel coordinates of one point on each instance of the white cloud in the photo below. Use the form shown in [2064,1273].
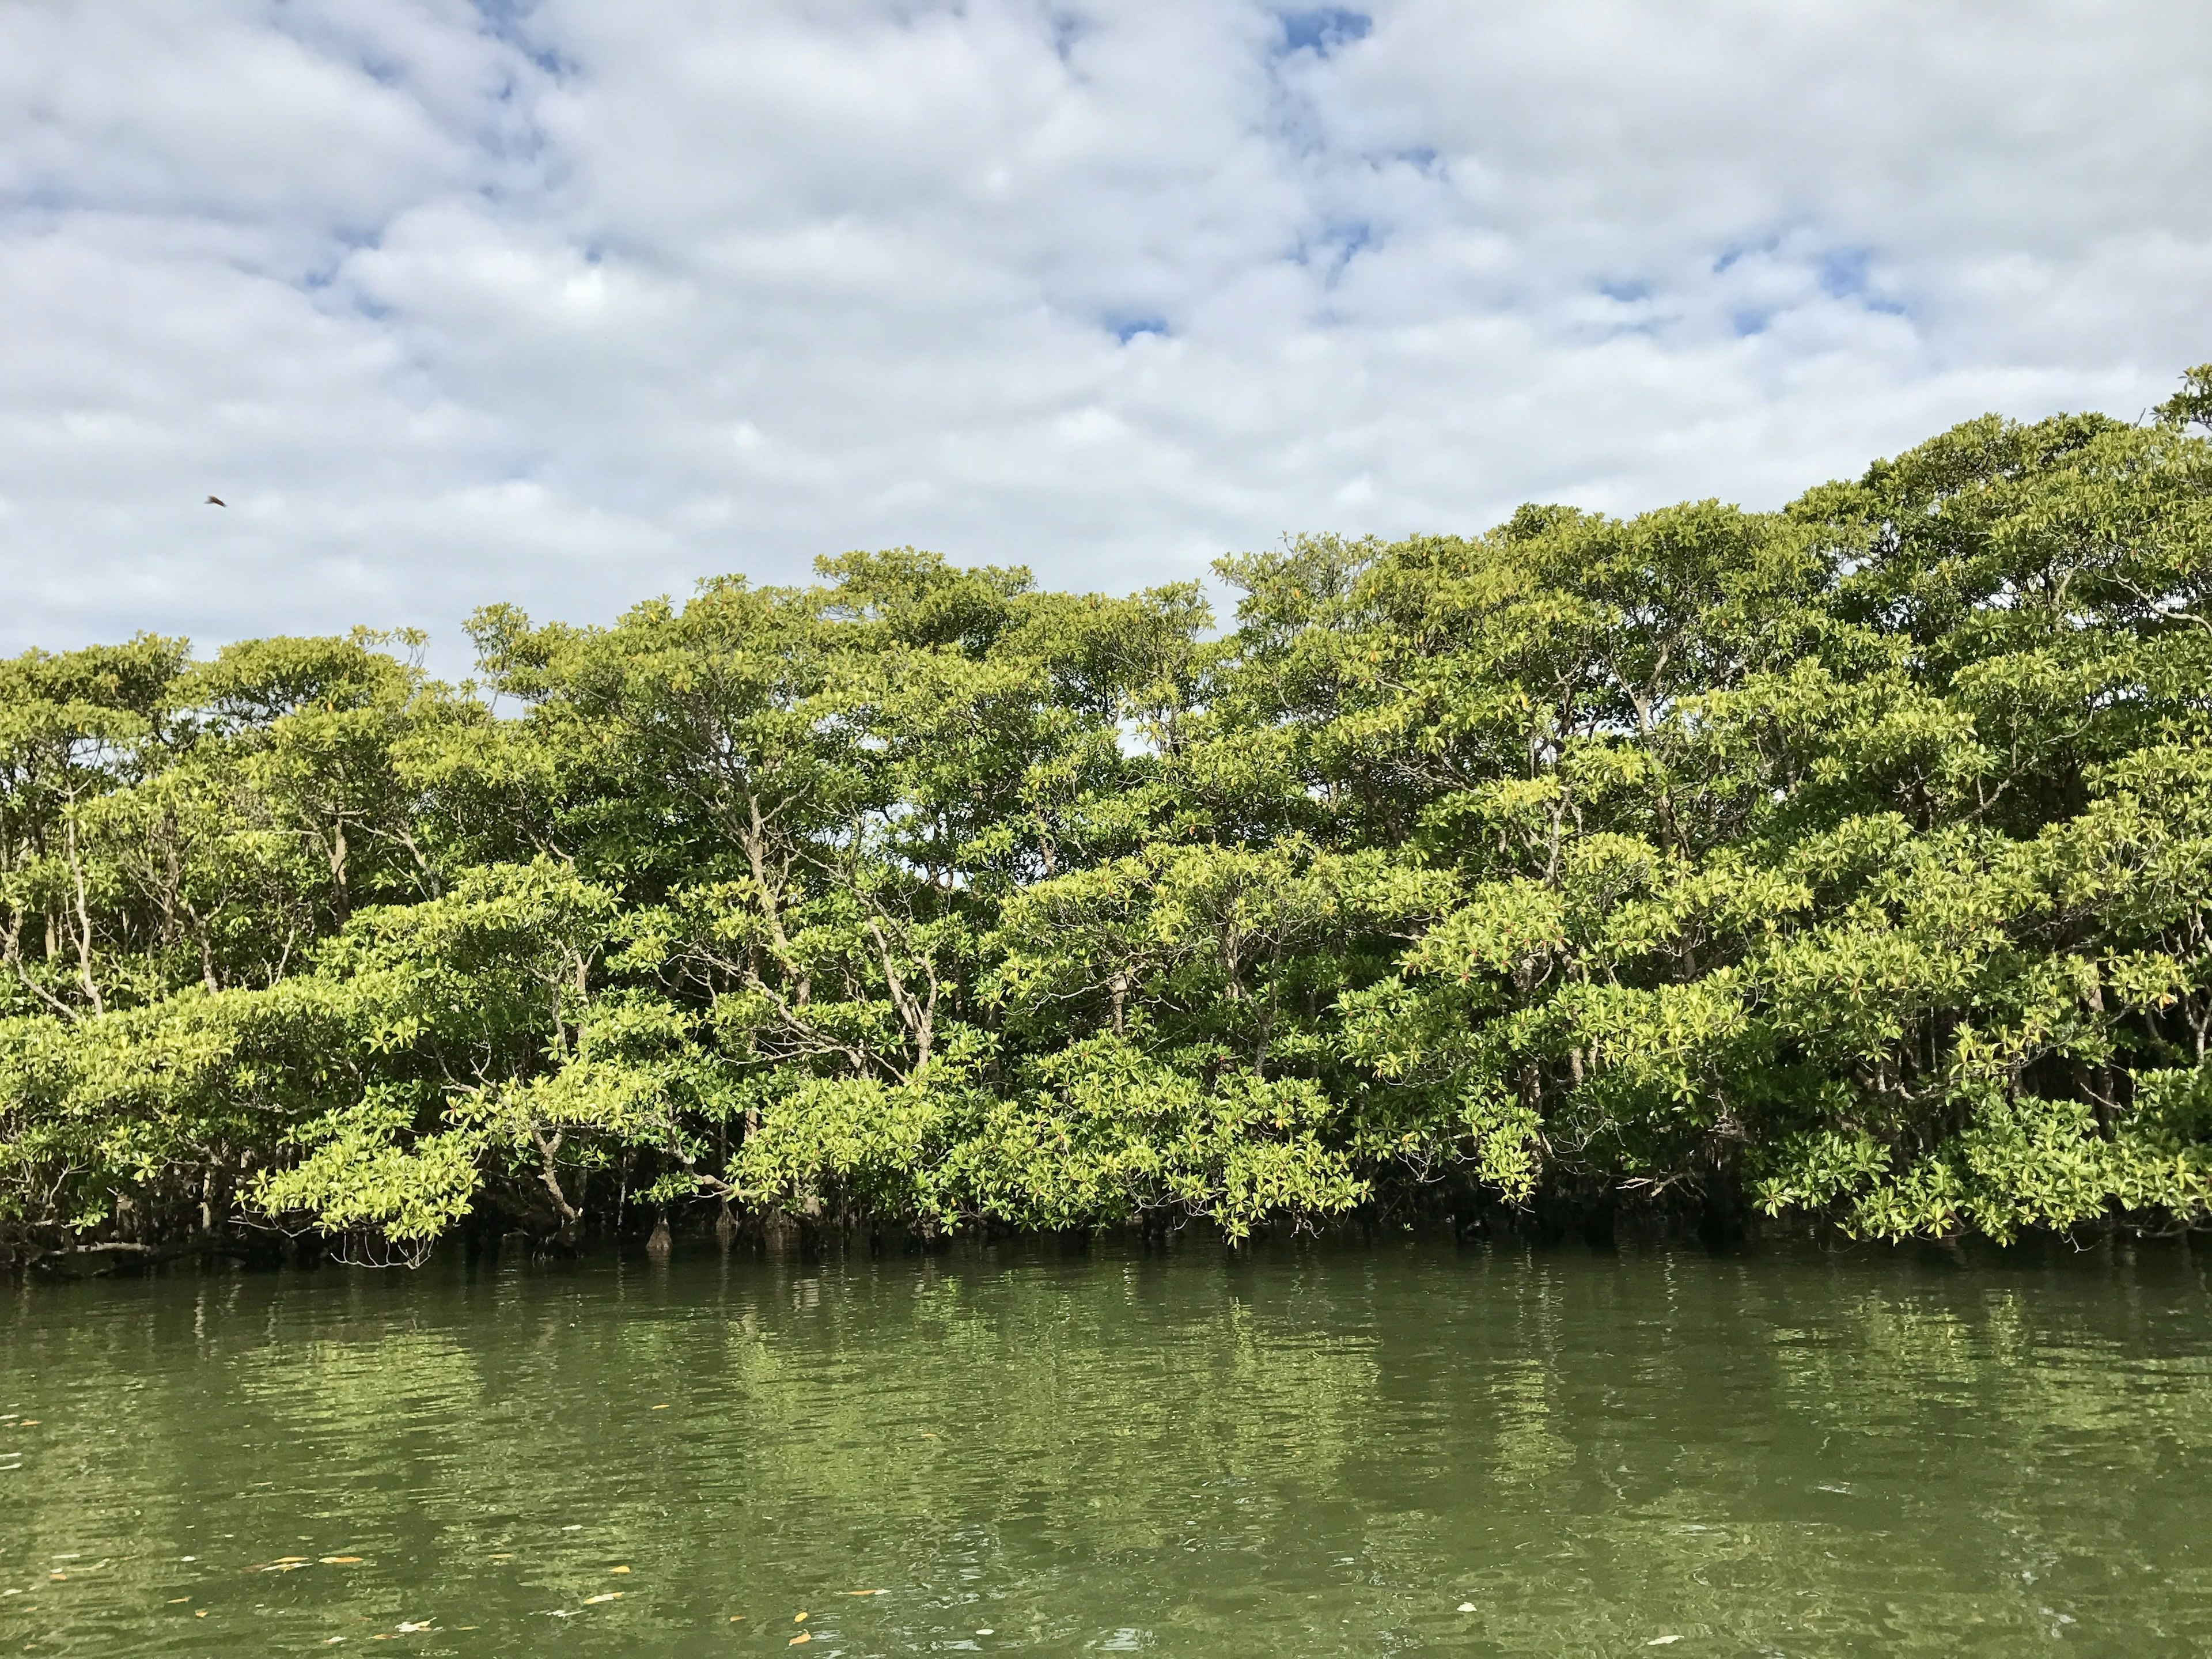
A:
[572,303]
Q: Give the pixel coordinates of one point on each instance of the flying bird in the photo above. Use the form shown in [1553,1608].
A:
[216,501]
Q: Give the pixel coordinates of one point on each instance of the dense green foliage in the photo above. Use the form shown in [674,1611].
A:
[1851,860]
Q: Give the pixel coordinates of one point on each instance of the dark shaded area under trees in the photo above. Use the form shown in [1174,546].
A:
[1848,862]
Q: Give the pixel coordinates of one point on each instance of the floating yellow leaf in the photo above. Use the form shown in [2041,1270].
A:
[202,1614]
[617,1569]
[604,1595]
[867,1592]
[798,1617]
[660,1408]
[296,1560]
[803,1636]
[342,1560]
[177,1600]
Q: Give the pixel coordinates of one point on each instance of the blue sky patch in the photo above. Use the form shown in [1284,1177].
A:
[503,19]
[1068,29]
[1843,272]
[1323,31]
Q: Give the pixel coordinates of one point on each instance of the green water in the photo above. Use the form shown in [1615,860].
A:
[1319,1453]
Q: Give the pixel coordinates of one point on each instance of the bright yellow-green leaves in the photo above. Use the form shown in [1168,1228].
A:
[1852,860]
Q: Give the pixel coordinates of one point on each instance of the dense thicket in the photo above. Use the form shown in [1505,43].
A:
[1850,860]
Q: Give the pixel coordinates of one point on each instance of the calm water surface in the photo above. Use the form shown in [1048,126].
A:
[1386,1452]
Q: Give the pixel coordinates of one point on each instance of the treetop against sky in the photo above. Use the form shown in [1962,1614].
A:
[1848,859]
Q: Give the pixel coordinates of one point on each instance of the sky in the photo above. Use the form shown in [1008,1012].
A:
[570,304]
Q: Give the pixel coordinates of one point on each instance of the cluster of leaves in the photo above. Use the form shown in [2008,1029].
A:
[1853,859]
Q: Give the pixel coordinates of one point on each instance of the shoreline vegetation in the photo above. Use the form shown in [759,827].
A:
[1845,866]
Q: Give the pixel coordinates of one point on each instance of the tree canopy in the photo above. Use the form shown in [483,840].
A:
[1849,860]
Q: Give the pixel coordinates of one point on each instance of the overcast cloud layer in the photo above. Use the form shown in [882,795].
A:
[572,303]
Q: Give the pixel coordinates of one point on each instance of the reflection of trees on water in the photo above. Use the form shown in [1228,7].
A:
[1841,1456]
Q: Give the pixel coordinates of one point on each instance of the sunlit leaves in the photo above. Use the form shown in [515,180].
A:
[1854,858]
